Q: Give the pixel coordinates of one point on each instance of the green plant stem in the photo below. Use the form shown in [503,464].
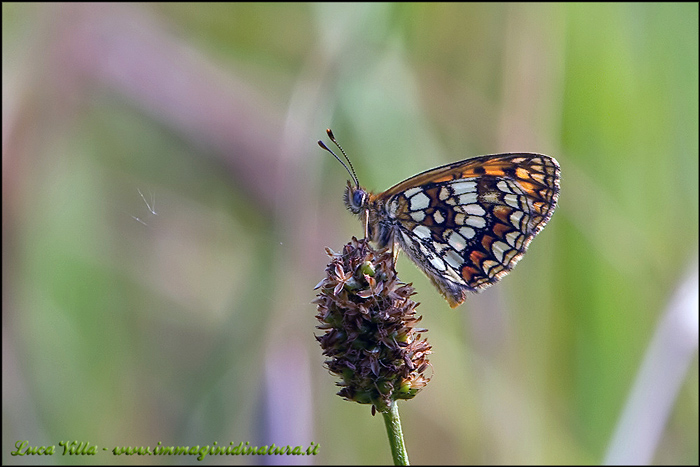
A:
[393,430]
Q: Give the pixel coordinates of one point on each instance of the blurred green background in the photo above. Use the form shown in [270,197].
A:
[192,324]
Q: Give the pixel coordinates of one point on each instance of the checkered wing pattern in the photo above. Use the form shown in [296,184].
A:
[468,223]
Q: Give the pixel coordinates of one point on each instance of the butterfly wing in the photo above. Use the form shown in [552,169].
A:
[468,223]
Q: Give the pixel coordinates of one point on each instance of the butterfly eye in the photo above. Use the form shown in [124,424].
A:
[355,199]
[358,198]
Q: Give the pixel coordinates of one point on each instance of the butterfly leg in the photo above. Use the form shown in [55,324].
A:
[366,224]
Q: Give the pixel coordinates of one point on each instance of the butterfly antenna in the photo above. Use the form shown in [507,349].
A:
[351,169]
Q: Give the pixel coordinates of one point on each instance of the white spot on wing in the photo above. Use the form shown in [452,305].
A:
[463,186]
[499,248]
[511,200]
[453,259]
[418,216]
[454,277]
[421,231]
[504,187]
[512,238]
[444,193]
[411,191]
[468,232]
[488,264]
[466,198]
[419,201]
[515,218]
[440,247]
[537,177]
[473,209]
[438,263]
[457,241]
[476,221]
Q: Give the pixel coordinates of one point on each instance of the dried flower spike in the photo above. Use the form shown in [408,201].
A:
[369,320]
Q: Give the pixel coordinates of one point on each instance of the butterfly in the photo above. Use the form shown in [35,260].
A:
[464,224]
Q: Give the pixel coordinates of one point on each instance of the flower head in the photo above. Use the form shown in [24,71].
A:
[369,320]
